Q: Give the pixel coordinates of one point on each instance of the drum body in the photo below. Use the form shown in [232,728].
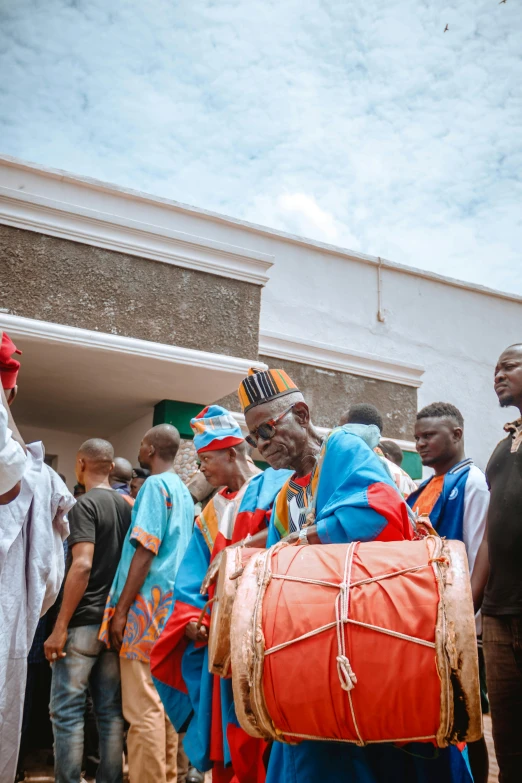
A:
[385,651]
[229,575]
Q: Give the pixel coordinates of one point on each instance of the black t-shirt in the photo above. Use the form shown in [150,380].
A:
[503,594]
[100,517]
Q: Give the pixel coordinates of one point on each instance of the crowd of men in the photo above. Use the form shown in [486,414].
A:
[115,589]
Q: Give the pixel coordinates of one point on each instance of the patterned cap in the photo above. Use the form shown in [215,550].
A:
[215,428]
[8,366]
[263,385]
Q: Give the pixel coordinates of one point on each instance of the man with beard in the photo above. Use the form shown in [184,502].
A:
[140,603]
[196,700]
[502,600]
[339,492]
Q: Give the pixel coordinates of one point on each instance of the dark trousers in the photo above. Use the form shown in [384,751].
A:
[502,644]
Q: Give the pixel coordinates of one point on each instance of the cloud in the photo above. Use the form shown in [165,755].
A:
[360,124]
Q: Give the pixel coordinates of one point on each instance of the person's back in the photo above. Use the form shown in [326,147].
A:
[98,524]
[103,517]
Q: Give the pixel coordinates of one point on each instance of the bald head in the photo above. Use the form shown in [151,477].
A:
[94,461]
[159,448]
[121,472]
[508,377]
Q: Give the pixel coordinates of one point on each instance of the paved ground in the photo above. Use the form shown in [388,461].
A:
[40,772]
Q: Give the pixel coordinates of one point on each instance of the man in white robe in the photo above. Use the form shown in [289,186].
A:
[33,504]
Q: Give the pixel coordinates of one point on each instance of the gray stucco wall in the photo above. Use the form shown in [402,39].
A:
[70,283]
[331,393]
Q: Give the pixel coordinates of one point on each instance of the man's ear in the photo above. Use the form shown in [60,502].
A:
[11,394]
[302,413]
[458,434]
[232,454]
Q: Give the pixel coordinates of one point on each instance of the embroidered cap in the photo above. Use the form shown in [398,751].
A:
[215,428]
[8,366]
[263,385]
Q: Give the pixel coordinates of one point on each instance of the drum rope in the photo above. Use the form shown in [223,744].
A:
[321,583]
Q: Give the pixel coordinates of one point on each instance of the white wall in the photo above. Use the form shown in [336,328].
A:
[127,441]
[456,334]
[64,444]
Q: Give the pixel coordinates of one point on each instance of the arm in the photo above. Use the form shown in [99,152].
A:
[480,573]
[139,568]
[75,585]
[12,453]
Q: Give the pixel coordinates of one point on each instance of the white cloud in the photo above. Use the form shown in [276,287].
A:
[355,123]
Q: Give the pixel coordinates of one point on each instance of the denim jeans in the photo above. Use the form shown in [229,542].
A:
[88,663]
[502,643]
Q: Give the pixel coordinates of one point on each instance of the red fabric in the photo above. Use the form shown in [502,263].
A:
[247,755]
[397,694]
[166,655]
[8,366]
[224,443]
[383,499]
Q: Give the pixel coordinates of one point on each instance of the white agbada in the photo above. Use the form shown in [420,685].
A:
[12,456]
[33,527]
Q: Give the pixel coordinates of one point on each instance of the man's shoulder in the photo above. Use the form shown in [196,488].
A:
[476,478]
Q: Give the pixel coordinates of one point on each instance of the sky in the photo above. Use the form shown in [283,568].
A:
[355,122]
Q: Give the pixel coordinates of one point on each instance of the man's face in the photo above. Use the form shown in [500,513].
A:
[437,440]
[144,455]
[216,466]
[135,486]
[285,449]
[508,378]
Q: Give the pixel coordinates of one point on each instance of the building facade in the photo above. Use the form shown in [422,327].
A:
[131,309]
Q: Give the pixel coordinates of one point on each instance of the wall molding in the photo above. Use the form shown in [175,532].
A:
[28,208]
[332,357]
[49,332]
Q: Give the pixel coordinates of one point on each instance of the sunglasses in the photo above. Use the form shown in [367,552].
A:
[266,430]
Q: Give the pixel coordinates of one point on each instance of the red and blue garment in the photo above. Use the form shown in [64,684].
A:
[354,499]
[196,701]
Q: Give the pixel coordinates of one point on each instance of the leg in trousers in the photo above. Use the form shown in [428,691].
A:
[151,741]
[502,642]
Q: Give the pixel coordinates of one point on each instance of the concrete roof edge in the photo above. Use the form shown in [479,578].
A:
[259,229]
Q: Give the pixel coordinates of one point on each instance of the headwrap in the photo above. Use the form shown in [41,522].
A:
[8,366]
[263,385]
[215,428]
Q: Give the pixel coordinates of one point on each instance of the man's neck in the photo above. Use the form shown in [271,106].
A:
[239,477]
[445,467]
[304,465]
[160,466]
[96,482]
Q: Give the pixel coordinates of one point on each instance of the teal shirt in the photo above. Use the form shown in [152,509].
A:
[162,522]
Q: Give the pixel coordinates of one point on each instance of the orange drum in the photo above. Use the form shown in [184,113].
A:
[229,575]
[363,643]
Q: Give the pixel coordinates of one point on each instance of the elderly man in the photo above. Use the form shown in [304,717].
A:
[179,660]
[33,504]
[344,489]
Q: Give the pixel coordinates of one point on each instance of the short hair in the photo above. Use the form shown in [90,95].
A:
[140,473]
[166,439]
[122,469]
[392,450]
[363,413]
[97,450]
[441,410]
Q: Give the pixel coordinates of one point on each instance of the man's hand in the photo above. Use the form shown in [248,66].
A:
[196,634]
[53,647]
[117,629]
